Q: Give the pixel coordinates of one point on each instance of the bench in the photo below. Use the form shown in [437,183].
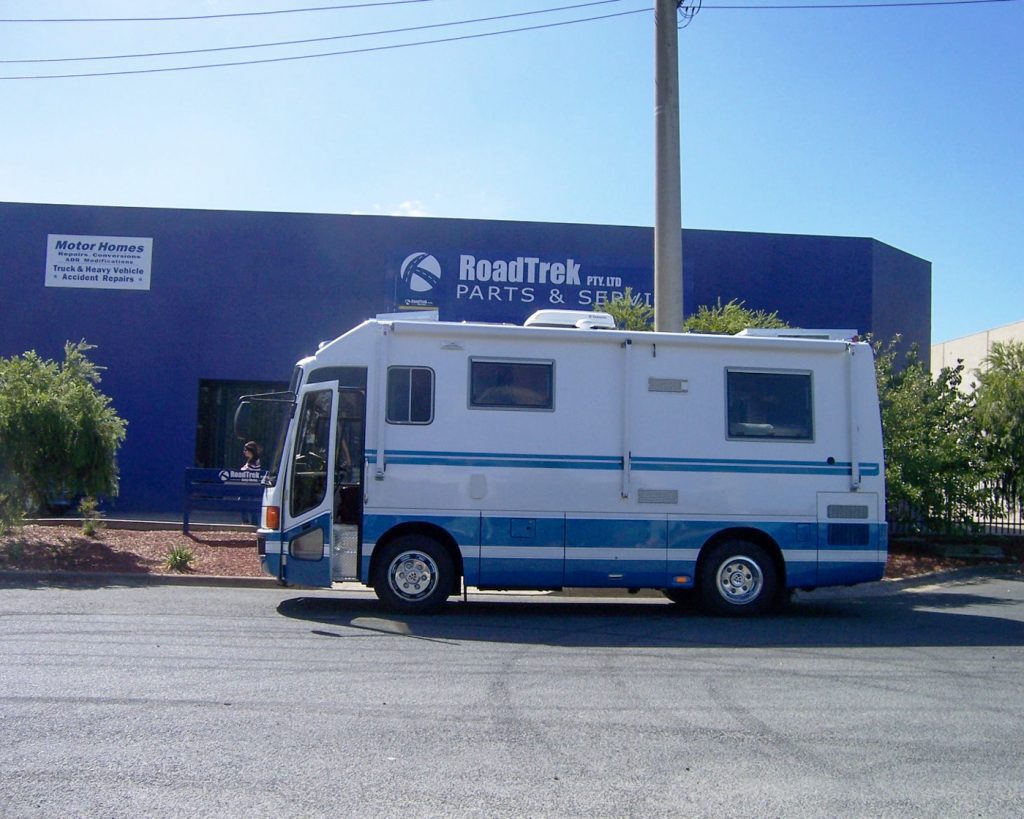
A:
[221,490]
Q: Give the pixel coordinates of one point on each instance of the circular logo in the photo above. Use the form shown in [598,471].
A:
[420,272]
[224,476]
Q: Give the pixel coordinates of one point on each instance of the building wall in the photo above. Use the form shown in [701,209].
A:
[242,295]
[972,349]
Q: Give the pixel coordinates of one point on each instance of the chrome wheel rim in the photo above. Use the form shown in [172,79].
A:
[740,580]
[412,575]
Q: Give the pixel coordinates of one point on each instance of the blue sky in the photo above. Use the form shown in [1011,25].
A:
[902,124]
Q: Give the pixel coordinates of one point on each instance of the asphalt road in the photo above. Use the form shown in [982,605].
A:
[197,701]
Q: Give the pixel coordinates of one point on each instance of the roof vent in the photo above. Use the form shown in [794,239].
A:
[800,332]
[580,319]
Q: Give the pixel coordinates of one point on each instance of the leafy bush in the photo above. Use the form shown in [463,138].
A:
[729,319]
[1000,414]
[59,435]
[630,312]
[935,466]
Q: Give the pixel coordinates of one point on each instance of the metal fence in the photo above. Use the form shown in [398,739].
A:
[1002,517]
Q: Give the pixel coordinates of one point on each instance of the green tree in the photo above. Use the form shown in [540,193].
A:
[934,465]
[59,435]
[1000,413]
[729,319]
[630,312]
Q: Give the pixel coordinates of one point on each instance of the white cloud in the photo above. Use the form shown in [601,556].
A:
[410,207]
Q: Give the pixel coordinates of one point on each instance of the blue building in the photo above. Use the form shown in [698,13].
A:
[190,309]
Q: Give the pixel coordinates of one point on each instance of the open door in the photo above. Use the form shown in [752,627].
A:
[349,471]
[308,512]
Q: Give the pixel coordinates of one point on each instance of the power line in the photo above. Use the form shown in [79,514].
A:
[687,10]
[880,5]
[458,38]
[211,16]
[368,50]
[405,30]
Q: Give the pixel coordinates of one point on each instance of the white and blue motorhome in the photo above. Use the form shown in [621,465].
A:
[423,457]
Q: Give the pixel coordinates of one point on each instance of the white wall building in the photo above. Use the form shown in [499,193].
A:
[973,349]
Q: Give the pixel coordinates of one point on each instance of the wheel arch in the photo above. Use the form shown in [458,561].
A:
[752,535]
[422,529]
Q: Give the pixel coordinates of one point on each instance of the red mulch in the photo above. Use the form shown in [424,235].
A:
[65,548]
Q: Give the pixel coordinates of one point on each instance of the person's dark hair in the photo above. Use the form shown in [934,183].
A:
[253,447]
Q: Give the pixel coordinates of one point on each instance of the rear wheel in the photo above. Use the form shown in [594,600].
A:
[738,578]
[415,575]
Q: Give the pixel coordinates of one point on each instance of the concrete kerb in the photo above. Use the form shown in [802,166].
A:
[147,524]
[35,577]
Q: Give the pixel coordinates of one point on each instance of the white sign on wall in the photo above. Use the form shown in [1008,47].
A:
[106,262]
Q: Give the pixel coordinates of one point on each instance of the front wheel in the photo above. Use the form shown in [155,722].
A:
[684,598]
[414,575]
[738,578]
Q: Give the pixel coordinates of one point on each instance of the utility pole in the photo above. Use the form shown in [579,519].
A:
[668,217]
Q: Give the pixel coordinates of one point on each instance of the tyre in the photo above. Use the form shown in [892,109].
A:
[738,578]
[415,575]
[684,598]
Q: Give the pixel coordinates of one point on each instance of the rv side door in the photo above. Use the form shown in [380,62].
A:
[309,496]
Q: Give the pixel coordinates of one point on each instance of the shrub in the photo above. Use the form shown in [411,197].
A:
[59,435]
[92,519]
[729,319]
[179,559]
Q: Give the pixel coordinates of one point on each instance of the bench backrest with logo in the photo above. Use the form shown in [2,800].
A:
[222,490]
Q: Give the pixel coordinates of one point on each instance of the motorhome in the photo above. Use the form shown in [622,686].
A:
[423,458]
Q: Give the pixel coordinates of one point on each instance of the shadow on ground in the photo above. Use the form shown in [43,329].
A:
[982,612]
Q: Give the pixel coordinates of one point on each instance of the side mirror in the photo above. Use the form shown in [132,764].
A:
[243,420]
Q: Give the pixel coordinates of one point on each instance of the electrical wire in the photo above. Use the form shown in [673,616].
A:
[687,10]
[211,16]
[405,30]
[459,38]
[879,5]
[367,50]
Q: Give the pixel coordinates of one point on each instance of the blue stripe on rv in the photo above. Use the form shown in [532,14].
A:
[505,551]
[637,463]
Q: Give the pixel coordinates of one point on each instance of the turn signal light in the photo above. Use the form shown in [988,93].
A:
[272,515]
[681,579]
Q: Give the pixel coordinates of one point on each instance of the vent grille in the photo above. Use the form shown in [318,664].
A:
[839,511]
[849,534]
[657,495]
[667,385]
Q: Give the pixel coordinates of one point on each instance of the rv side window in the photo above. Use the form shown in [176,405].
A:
[500,384]
[770,405]
[410,395]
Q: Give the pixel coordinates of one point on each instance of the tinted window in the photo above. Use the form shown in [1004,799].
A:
[309,476]
[410,395]
[770,405]
[512,384]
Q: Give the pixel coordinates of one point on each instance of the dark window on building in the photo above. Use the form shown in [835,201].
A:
[770,406]
[511,384]
[216,444]
[410,395]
